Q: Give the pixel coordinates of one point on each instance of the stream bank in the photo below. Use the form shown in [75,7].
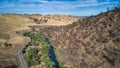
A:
[52,54]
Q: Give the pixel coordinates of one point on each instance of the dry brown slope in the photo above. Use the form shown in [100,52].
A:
[10,40]
[56,19]
[90,43]
[10,24]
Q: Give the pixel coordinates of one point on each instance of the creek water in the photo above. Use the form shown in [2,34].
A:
[52,54]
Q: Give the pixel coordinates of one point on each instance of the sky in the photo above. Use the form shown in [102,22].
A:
[67,7]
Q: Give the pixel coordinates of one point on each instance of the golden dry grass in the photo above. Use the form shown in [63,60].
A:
[12,23]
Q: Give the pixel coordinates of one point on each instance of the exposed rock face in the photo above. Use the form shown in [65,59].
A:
[89,43]
[56,19]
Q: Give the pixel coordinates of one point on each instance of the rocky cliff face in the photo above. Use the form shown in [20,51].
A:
[93,42]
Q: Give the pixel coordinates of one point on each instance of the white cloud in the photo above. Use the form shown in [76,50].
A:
[95,4]
[54,6]
[57,4]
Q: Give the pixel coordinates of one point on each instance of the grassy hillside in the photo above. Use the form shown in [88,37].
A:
[10,24]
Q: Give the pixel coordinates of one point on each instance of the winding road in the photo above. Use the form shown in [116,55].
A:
[20,54]
[21,58]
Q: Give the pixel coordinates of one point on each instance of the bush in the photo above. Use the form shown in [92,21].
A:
[32,57]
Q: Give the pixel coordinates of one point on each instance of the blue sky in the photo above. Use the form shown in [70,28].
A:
[68,7]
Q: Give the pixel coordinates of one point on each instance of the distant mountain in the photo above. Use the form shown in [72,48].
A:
[82,16]
[93,42]
[56,19]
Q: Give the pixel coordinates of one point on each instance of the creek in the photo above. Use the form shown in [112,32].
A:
[52,54]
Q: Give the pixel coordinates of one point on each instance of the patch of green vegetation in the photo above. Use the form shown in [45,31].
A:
[33,36]
[31,56]
[94,36]
[62,65]
[45,58]
[29,44]
[37,39]
[116,59]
